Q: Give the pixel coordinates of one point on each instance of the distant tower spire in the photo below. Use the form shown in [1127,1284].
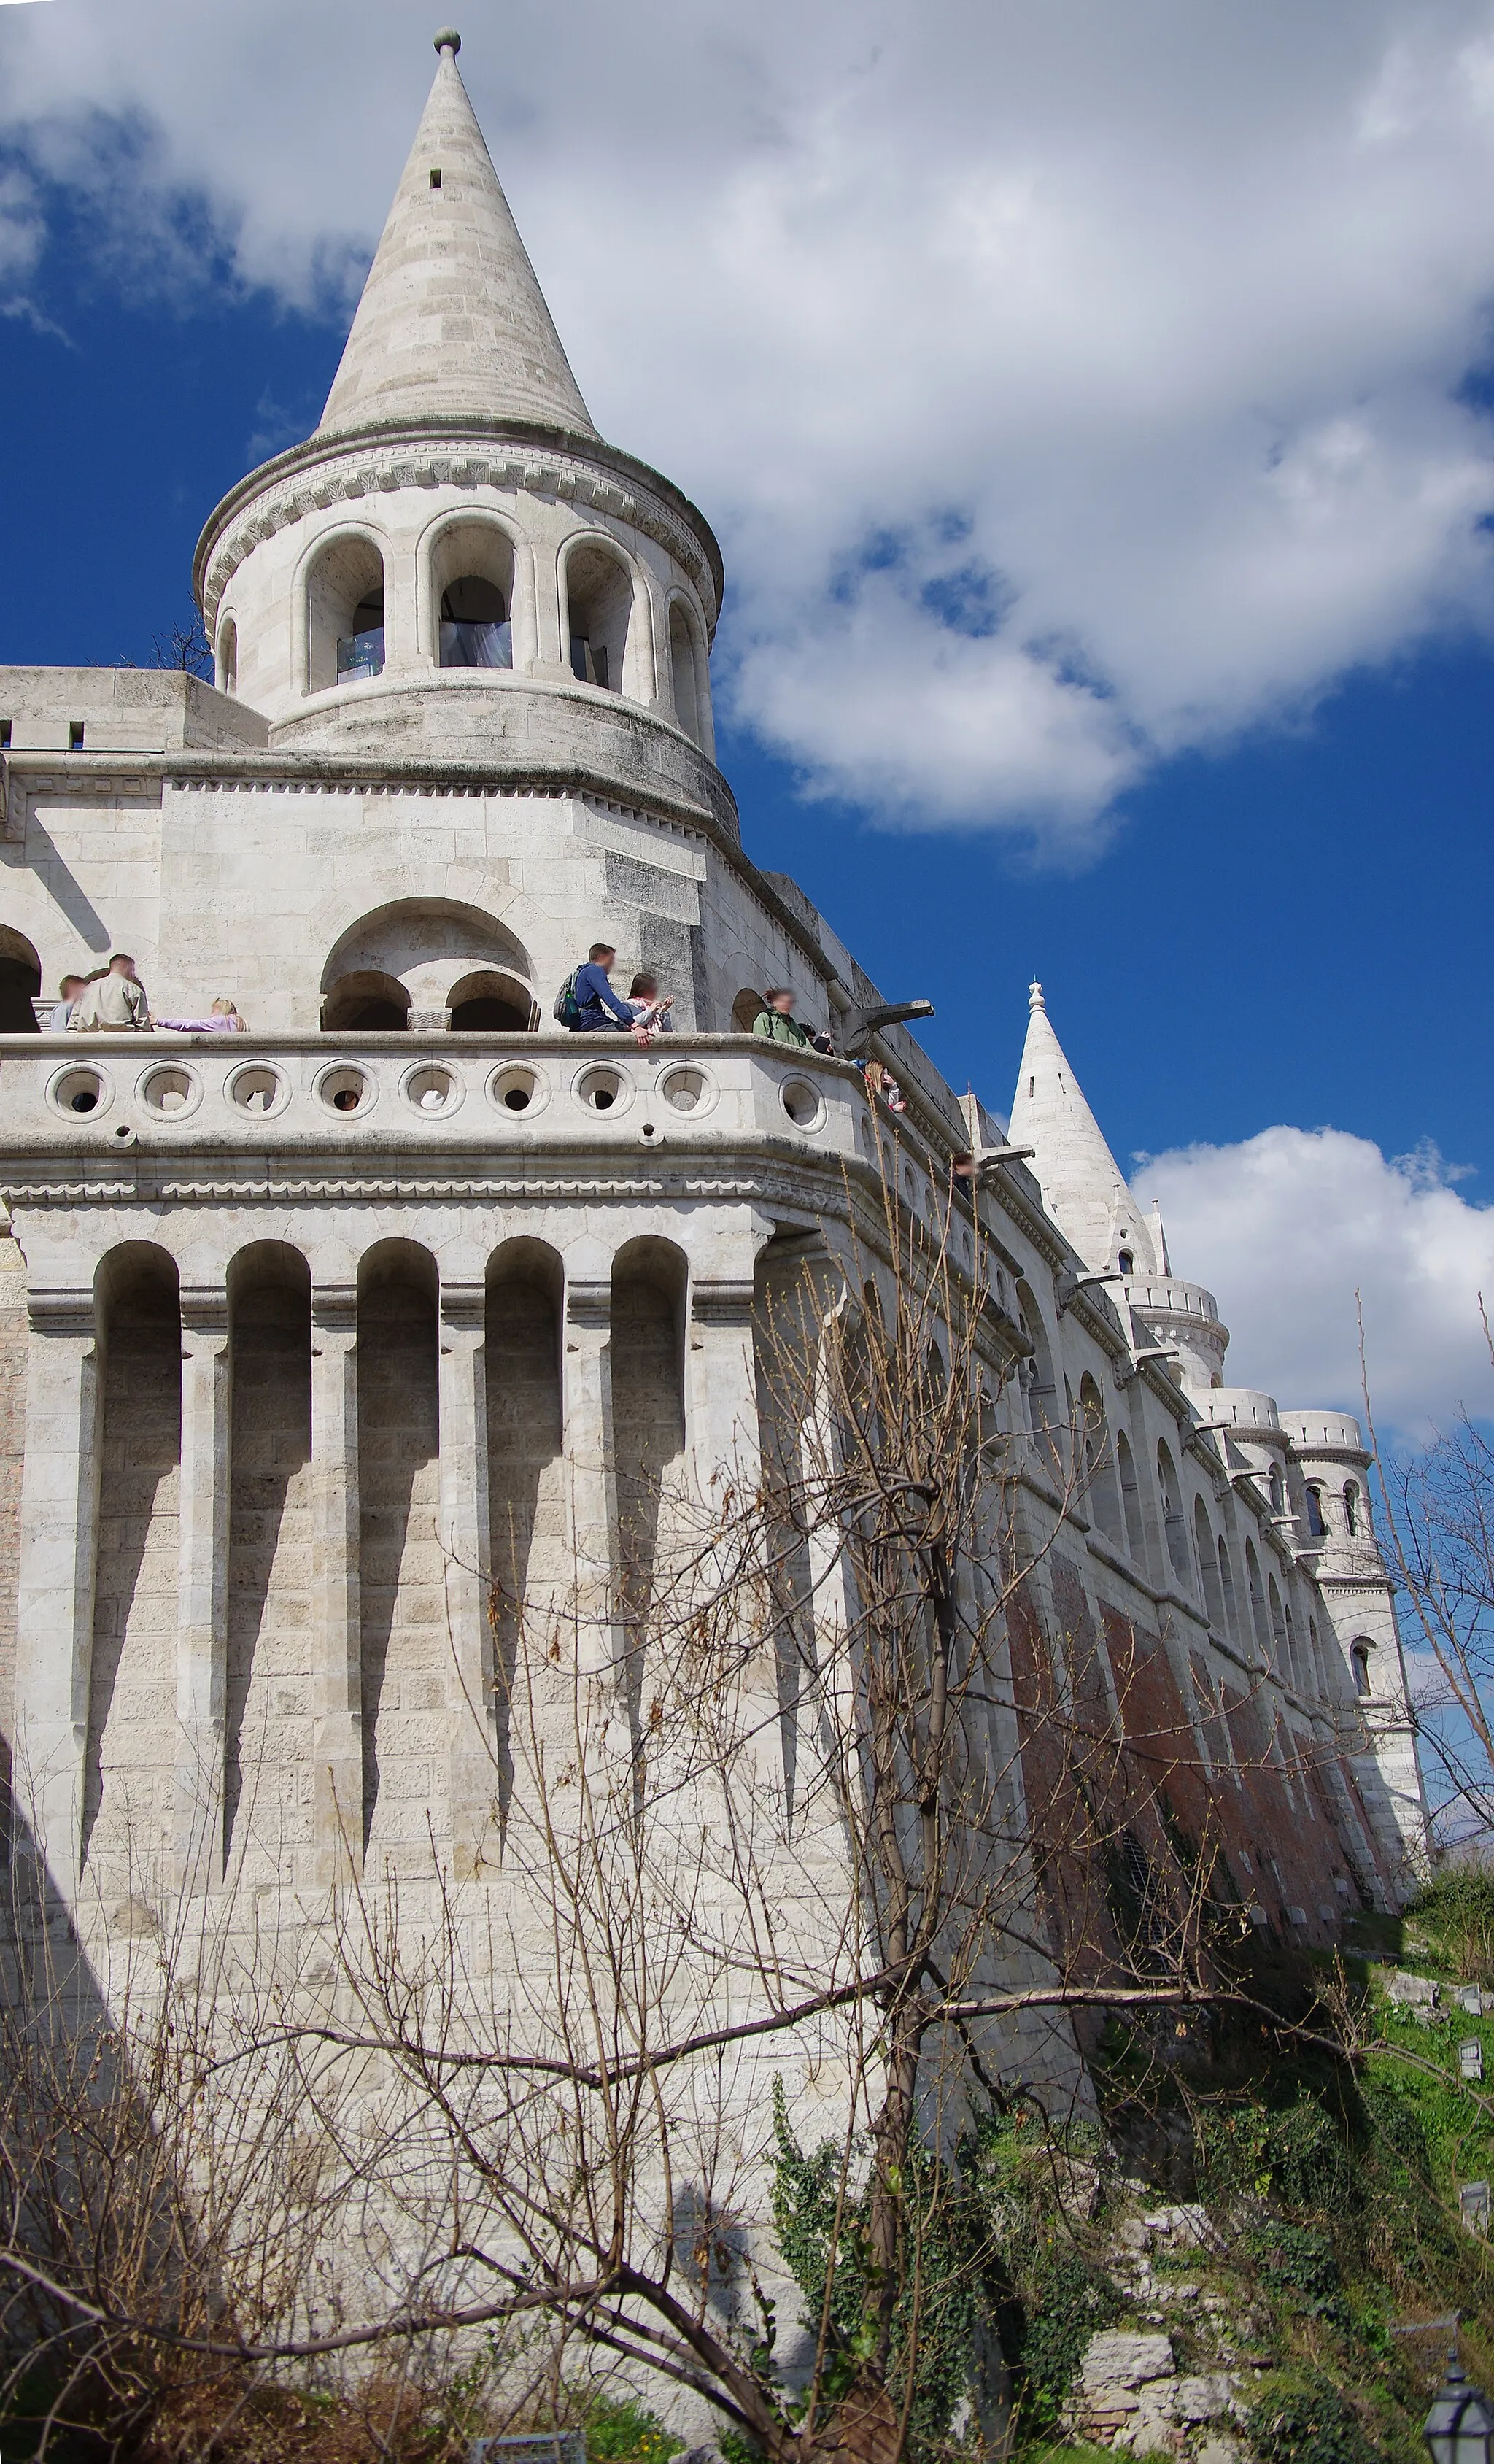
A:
[1083,1186]
[453,324]
[1160,1238]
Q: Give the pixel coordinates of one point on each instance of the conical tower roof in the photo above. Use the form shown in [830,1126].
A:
[453,324]
[1083,1186]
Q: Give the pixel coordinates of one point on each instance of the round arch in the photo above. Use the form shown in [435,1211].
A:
[746,1009]
[224,657]
[340,599]
[20,982]
[690,669]
[424,949]
[474,546]
[366,1001]
[491,1002]
[606,637]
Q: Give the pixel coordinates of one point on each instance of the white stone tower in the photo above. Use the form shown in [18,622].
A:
[305,1325]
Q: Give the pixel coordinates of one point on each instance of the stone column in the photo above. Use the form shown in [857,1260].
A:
[721,1387]
[467,1548]
[338,1671]
[592,1475]
[724,1443]
[54,1608]
[549,615]
[202,1590]
[829,1569]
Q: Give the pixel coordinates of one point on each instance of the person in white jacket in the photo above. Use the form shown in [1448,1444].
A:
[114,1003]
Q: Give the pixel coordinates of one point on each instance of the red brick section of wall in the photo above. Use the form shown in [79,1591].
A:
[13,1442]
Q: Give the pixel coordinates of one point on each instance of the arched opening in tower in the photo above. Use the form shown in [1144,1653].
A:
[599,593]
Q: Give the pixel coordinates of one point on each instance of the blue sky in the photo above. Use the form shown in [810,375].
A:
[1255,876]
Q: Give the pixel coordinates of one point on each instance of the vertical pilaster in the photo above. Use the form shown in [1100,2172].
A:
[549,613]
[592,1475]
[337,1797]
[721,1387]
[467,1548]
[54,1609]
[724,1441]
[202,1588]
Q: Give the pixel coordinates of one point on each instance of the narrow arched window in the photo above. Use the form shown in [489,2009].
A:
[1208,1566]
[1360,1657]
[599,594]
[1174,1530]
[1352,1508]
[227,678]
[687,671]
[345,614]
[1317,1528]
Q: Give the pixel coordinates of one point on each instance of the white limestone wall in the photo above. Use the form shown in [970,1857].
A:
[250,890]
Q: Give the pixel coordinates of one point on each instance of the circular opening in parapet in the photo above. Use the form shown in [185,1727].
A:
[433,1089]
[518,1089]
[602,1088]
[345,1089]
[802,1103]
[170,1091]
[78,1092]
[255,1087]
[685,1089]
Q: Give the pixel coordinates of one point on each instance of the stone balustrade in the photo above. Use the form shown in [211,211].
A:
[421,1093]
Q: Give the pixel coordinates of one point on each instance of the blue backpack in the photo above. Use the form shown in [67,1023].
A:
[567,1008]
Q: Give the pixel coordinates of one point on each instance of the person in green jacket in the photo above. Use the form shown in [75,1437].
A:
[777,1022]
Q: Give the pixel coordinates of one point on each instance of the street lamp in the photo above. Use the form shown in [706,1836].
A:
[1460,2428]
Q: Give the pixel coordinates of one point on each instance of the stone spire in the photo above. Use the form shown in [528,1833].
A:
[453,324]
[1082,1183]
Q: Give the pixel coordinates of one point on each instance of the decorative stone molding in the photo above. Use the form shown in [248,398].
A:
[588,1304]
[727,1302]
[64,1313]
[334,1309]
[354,474]
[94,1193]
[205,1312]
[464,1307]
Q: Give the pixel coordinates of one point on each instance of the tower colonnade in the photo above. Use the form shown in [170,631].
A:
[349,1452]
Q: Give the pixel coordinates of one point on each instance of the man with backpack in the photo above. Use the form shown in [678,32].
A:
[587,1003]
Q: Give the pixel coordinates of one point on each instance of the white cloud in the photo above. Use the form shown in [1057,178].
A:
[1070,385]
[1287,1226]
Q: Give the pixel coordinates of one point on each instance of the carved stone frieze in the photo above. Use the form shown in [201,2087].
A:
[355,475]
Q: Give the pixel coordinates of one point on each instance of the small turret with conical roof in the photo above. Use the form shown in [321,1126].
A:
[455,566]
[1083,1186]
[452,324]
[1089,1199]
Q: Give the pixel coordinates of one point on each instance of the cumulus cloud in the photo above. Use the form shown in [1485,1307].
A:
[1287,1226]
[1072,386]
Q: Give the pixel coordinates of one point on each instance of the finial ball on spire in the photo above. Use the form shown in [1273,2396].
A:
[1035,1000]
[449,41]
